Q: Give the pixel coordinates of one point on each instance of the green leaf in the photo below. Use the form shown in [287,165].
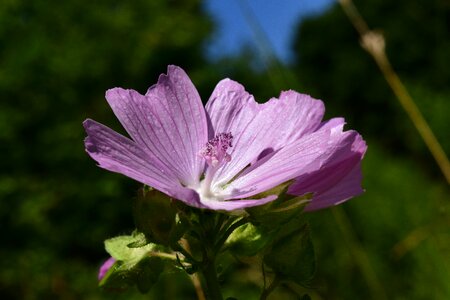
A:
[248,239]
[119,248]
[140,240]
[135,265]
[292,254]
[154,215]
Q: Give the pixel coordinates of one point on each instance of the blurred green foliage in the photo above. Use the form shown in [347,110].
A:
[56,61]
[56,207]
[393,242]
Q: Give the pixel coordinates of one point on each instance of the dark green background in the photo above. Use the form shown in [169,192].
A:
[56,207]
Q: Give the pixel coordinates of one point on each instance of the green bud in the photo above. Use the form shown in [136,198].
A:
[154,215]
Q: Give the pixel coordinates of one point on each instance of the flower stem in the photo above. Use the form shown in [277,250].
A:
[210,280]
[210,228]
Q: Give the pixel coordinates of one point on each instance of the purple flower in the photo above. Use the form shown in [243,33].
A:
[105,267]
[221,156]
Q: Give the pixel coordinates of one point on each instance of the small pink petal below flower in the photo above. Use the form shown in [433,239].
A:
[105,267]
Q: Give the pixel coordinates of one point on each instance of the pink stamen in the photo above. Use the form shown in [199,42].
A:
[215,151]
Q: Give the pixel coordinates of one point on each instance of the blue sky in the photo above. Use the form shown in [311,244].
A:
[277,18]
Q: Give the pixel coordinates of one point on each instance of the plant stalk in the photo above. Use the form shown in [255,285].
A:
[374,44]
[211,281]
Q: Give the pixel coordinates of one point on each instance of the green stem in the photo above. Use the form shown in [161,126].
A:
[210,280]
[210,228]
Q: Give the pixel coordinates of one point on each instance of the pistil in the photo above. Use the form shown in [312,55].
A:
[215,155]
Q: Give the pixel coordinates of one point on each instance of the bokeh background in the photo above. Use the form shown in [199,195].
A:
[57,58]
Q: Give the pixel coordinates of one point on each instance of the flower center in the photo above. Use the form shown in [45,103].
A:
[215,151]
[215,154]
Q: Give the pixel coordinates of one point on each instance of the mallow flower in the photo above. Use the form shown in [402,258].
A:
[226,155]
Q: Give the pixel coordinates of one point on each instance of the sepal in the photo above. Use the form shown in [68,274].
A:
[282,210]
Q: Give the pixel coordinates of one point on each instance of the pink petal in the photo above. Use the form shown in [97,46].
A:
[301,115]
[168,122]
[119,154]
[303,156]
[105,267]
[230,108]
[267,127]
[338,180]
[280,166]
[332,123]
[348,187]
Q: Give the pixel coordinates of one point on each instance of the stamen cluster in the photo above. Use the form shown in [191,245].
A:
[215,150]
